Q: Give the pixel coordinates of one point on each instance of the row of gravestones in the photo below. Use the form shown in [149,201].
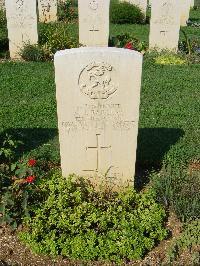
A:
[93,22]
[97,95]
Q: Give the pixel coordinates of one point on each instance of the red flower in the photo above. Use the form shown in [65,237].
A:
[32,162]
[30,179]
[129,45]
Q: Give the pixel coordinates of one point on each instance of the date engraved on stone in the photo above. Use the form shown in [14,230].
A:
[99,117]
[98,80]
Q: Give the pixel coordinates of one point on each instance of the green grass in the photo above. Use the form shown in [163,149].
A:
[168,114]
[169,122]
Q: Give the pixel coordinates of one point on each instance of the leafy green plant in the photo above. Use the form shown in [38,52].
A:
[170,59]
[125,13]
[7,148]
[33,53]
[16,185]
[78,222]
[189,45]
[180,191]
[189,240]
[52,38]
[67,11]
[3,33]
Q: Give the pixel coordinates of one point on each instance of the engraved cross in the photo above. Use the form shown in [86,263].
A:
[98,149]
[163,33]
[94,30]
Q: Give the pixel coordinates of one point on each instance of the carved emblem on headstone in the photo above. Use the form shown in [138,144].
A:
[97,80]
[93,5]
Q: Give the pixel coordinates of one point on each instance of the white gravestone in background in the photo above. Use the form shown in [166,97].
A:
[142,4]
[47,10]
[164,25]
[98,111]
[2,4]
[185,11]
[93,22]
[22,25]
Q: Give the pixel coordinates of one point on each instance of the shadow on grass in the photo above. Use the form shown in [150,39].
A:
[32,138]
[153,144]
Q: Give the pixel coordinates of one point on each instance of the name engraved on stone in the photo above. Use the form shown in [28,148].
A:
[98,148]
[97,80]
[99,117]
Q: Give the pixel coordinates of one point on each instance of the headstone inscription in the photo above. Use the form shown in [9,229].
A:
[22,25]
[94,22]
[164,25]
[47,10]
[98,112]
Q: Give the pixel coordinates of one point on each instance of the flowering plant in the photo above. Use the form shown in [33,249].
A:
[24,172]
[128,42]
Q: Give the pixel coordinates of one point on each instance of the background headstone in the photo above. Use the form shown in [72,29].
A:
[93,22]
[47,10]
[142,4]
[22,25]
[164,25]
[2,4]
[185,11]
[192,3]
[98,112]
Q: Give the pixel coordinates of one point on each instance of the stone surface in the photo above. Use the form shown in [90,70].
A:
[164,25]
[98,110]
[94,22]
[185,11]
[22,24]
[142,4]
[47,10]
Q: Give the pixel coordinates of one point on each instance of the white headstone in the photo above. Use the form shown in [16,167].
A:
[185,11]
[142,4]
[164,25]
[94,22]
[98,111]
[22,25]
[47,10]
[192,3]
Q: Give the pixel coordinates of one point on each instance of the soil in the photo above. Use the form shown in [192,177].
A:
[14,253]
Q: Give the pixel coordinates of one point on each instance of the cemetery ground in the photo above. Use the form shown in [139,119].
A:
[167,154]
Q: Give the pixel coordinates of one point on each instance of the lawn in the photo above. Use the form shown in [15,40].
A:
[169,124]
[168,138]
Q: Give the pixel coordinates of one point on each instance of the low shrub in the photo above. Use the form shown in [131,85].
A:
[125,13]
[52,38]
[170,59]
[188,241]
[189,45]
[33,53]
[19,190]
[68,10]
[3,32]
[179,190]
[80,223]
